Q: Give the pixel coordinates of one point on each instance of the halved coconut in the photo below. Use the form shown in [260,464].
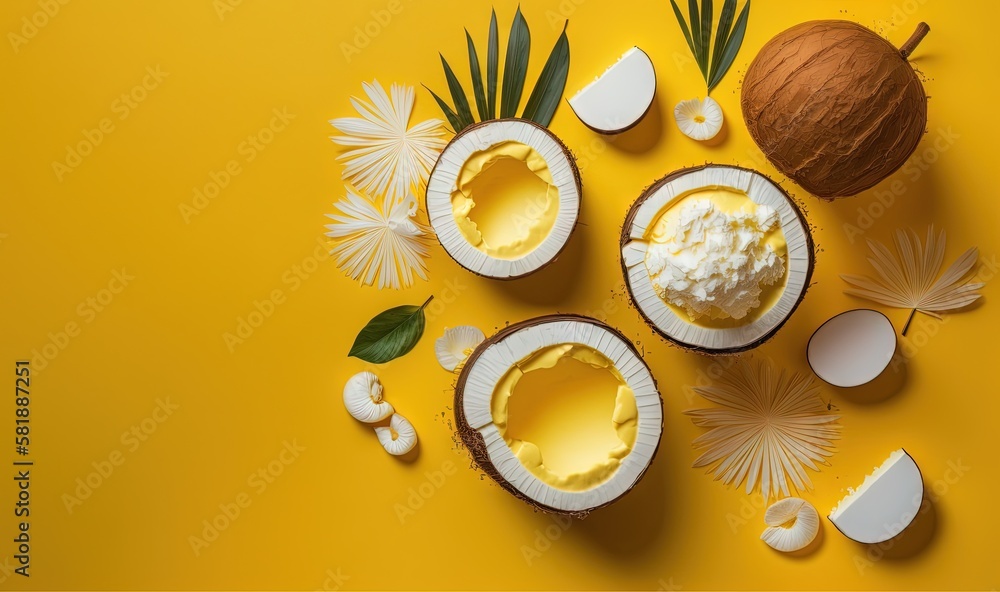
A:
[504,198]
[885,504]
[619,98]
[561,411]
[731,194]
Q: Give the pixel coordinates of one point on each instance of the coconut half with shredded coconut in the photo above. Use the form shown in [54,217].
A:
[716,258]
[504,198]
[561,411]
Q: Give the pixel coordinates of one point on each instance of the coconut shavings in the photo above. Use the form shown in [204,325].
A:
[716,263]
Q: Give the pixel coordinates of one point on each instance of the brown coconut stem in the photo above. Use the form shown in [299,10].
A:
[914,40]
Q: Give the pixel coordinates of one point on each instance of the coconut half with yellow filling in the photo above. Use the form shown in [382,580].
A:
[504,198]
[716,258]
[561,411]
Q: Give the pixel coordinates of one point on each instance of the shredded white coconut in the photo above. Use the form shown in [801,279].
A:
[716,263]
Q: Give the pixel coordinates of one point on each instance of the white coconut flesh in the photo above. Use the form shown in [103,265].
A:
[504,198]
[852,348]
[591,436]
[885,504]
[731,191]
[620,97]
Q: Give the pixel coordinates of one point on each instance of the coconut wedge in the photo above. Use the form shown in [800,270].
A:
[885,504]
[619,98]
[504,198]
[716,335]
[492,397]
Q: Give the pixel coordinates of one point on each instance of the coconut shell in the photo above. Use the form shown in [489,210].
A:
[473,439]
[834,106]
[577,180]
[624,238]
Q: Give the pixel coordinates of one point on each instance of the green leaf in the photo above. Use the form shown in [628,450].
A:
[706,35]
[448,112]
[390,334]
[515,67]
[732,46]
[458,96]
[492,61]
[550,85]
[725,23]
[699,45]
[684,27]
[477,78]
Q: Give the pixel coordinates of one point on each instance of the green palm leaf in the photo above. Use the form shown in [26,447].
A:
[453,119]
[550,85]
[732,47]
[458,96]
[477,79]
[684,27]
[492,60]
[515,67]
[725,24]
[706,34]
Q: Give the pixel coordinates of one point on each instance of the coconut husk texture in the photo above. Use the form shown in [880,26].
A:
[624,239]
[834,106]
[473,440]
[576,180]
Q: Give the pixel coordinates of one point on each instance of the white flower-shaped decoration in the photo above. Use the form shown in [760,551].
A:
[386,158]
[699,119]
[456,344]
[384,246]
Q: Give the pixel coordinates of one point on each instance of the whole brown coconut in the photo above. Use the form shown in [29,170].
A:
[834,106]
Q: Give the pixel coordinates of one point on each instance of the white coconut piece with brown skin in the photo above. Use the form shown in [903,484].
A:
[620,97]
[661,317]
[885,504]
[852,348]
[444,179]
[491,361]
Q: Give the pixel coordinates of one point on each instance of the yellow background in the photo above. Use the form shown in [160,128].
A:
[333,510]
